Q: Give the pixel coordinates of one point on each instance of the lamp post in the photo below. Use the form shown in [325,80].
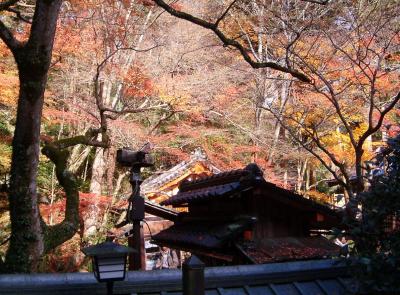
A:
[135,215]
[109,262]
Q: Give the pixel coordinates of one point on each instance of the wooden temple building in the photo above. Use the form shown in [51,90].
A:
[237,217]
[166,184]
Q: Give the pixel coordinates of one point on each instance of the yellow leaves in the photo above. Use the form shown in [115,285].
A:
[339,142]
[318,196]
[5,158]
[8,95]
[179,100]
[315,119]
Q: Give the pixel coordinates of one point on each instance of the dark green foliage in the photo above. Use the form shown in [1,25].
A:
[4,130]
[377,241]
[56,130]
[45,178]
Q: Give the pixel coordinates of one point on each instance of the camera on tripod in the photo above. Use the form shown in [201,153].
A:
[135,160]
[129,158]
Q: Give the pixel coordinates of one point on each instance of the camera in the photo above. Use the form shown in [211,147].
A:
[129,158]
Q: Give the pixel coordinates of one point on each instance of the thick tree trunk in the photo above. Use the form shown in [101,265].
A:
[33,60]
[26,244]
[98,170]
[91,222]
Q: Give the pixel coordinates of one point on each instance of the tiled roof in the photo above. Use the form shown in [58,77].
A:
[289,248]
[292,199]
[203,194]
[202,234]
[250,172]
[154,182]
[188,234]
[231,182]
[220,178]
[215,186]
[157,210]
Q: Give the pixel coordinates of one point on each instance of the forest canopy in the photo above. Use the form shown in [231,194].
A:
[308,90]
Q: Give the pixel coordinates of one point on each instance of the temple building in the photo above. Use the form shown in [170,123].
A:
[160,187]
[237,217]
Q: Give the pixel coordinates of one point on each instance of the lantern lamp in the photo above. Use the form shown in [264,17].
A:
[109,262]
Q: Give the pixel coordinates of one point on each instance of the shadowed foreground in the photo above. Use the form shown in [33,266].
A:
[303,277]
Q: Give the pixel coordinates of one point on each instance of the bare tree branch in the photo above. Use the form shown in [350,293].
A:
[315,154]
[163,119]
[231,42]
[8,38]
[58,153]
[372,129]
[225,13]
[321,2]
[331,97]
[19,15]
[245,130]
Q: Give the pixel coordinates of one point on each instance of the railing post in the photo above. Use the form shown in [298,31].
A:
[193,276]
[110,286]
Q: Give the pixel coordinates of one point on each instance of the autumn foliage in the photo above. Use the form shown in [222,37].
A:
[308,92]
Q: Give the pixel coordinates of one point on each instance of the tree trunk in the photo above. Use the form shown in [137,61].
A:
[118,184]
[284,97]
[301,171]
[312,179]
[111,154]
[58,153]
[26,244]
[33,60]
[78,156]
[97,172]
[92,218]
[359,187]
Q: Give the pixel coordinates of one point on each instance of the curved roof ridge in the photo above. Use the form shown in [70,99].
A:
[156,181]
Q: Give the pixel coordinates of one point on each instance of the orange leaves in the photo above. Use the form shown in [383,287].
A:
[86,201]
[56,116]
[149,3]
[136,83]
[177,6]
[9,90]
[9,78]
[318,196]
[74,40]
[4,51]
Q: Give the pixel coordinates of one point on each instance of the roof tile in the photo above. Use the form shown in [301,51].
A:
[203,194]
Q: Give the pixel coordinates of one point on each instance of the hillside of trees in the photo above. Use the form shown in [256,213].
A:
[307,90]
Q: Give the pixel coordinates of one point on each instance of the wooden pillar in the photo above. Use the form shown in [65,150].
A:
[137,260]
[193,276]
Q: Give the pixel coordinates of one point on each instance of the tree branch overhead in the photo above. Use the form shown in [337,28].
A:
[231,42]
[4,5]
